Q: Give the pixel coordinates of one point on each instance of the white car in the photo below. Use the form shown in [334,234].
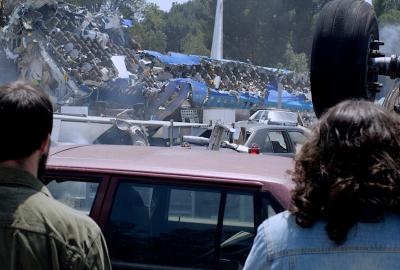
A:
[275,117]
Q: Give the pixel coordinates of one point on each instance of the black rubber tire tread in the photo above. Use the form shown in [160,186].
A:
[339,58]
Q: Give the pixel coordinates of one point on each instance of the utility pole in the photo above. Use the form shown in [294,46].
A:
[217,50]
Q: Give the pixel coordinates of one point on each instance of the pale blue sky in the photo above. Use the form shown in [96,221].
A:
[166,4]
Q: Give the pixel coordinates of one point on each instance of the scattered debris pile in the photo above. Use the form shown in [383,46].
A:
[227,75]
[81,58]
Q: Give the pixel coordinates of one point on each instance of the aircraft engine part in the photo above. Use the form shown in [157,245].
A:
[138,135]
[196,140]
[346,38]
[392,99]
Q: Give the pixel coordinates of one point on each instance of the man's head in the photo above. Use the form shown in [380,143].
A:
[350,168]
[26,117]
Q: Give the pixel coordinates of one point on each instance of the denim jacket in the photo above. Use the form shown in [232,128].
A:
[282,244]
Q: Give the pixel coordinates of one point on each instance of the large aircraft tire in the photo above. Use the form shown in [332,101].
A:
[341,47]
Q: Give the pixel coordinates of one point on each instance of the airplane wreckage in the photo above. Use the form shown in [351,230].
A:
[85,59]
[90,59]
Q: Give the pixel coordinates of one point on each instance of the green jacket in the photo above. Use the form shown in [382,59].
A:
[37,232]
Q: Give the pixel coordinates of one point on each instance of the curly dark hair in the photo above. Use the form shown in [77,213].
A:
[349,170]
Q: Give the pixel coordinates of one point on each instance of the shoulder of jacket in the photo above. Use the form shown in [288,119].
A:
[61,218]
[277,230]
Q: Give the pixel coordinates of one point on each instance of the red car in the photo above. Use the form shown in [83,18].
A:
[163,208]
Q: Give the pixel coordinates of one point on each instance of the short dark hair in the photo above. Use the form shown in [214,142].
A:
[349,170]
[26,119]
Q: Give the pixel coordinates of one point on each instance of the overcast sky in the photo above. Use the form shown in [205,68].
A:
[166,4]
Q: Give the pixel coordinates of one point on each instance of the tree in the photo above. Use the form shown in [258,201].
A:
[303,26]
[149,32]
[189,23]
[258,30]
[1,12]
[391,17]
[382,6]
[133,9]
[295,61]
[387,11]
[194,44]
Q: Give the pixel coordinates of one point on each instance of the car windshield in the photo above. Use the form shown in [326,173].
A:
[257,116]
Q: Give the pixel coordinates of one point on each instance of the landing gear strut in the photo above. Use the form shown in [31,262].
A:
[346,60]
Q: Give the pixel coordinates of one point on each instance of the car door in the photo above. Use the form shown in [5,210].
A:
[153,224]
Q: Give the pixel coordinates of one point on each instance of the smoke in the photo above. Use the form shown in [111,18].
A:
[8,69]
[390,34]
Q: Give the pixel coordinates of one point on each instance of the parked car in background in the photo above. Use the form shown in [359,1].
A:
[272,140]
[275,117]
[265,139]
[171,208]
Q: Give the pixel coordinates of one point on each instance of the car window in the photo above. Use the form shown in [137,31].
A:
[297,137]
[264,116]
[282,117]
[278,142]
[239,210]
[188,206]
[75,193]
[238,230]
[268,210]
[248,134]
[156,224]
[267,146]
[257,116]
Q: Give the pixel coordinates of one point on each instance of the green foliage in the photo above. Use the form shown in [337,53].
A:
[259,30]
[194,44]
[255,30]
[266,32]
[392,16]
[383,6]
[295,61]
[388,11]
[190,24]
[149,33]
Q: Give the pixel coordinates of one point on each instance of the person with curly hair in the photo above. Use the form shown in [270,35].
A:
[345,211]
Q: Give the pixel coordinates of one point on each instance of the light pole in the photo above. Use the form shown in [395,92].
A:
[217,49]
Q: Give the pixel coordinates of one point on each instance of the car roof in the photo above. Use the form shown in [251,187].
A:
[277,110]
[261,170]
[258,127]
